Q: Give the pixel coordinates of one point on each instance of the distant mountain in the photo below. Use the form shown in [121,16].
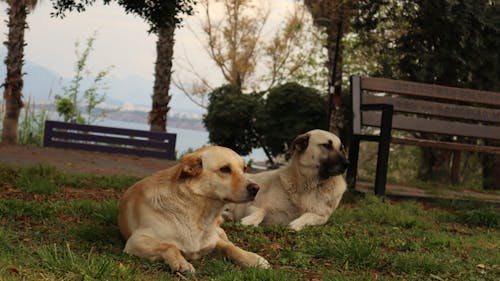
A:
[38,82]
[42,84]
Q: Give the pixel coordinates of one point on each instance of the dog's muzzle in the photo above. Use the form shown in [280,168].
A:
[333,167]
[252,189]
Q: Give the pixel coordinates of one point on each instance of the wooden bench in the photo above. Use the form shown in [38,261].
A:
[108,139]
[407,112]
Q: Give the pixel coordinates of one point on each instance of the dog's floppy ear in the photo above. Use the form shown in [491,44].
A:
[300,143]
[190,166]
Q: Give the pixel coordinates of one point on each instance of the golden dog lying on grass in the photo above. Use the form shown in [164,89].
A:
[304,192]
[175,213]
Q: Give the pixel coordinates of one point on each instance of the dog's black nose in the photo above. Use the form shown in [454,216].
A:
[346,164]
[252,189]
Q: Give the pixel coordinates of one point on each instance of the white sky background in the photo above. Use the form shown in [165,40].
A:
[122,40]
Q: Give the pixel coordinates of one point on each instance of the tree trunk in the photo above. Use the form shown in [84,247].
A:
[435,165]
[334,17]
[163,72]
[13,84]
[491,171]
[334,47]
[455,167]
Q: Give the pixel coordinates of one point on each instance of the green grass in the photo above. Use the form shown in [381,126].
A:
[366,239]
[37,179]
[46,179]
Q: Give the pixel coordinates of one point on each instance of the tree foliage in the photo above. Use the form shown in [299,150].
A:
[230,119]
[232,42]
[246,121]
[73,94]
[446,42]
[154,12]
[334,18]
[290,110]
[453,43]
[162,17]
[248,58]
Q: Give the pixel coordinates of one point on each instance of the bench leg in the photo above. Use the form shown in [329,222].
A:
[352,171]
[383,152]
[381,174]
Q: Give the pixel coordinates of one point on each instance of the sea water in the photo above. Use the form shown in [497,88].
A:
[186,139]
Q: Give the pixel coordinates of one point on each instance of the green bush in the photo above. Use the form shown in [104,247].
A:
[246,121]
[230,119]
[290,110]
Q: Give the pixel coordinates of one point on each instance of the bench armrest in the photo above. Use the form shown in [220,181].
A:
[389,108]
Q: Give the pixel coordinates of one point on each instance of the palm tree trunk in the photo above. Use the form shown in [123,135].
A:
[13,84]
[163,72]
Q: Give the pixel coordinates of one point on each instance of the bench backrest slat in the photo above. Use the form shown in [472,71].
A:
[427,115]
[435,126]
[113,149]
[107,130]
[428,90]
[427,108]
[109,139]
[436,108]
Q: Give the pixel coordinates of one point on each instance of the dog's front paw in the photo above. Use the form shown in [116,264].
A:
[182,266]
[296,225]
[250,220]
[257,261]
[263,263]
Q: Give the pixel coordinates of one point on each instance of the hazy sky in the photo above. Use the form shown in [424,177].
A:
[122,40]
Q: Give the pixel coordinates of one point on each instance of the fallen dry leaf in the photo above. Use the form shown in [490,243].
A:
[436,277]
[13,270]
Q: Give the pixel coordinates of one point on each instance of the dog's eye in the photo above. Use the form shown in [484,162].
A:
[225,170]
[328,145]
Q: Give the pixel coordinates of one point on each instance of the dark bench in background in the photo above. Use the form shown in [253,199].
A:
[108,139]
[457,119]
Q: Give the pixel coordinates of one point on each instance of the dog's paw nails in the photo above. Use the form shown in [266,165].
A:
[249,221]
[255,260]
[184,267]
[263,263]
[295,226]
[227,216]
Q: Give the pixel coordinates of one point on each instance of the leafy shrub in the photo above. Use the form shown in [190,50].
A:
[230,119]
[290,110]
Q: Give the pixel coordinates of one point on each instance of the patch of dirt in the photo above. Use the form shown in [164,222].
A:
[64,194]
[401,191]
[106,164]
[80,161]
